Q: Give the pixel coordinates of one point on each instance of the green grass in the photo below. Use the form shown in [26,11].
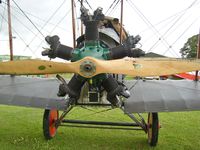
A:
[21,128]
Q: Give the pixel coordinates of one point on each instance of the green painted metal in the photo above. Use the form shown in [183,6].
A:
[94,49]
[91,48]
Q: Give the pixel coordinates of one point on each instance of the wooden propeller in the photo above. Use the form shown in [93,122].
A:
[89,67]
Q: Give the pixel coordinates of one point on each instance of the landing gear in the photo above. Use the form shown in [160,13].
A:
[49,123]
[152,128]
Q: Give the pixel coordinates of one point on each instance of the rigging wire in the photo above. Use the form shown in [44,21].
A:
[39,46]
[161,37]
[168,20]
[112,4]
[27,45]
[37,25]
[81,3]
[25,25]
[4,10]
[145,40]
[145,19]
[196,19]
[53,14]
[89,5]
[18,35]
[164,20]
[175,22]
[28,18]
[30,14]
[114,7]
[172,31]
[148,23]
[186,10]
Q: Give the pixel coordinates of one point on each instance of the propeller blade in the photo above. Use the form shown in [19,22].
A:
[89,67]
[35,67]
[147,67]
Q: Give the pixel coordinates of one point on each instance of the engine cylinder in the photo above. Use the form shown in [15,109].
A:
[91,31]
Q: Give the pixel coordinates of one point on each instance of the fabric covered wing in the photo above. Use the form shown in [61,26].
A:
[163,95]
[30,92]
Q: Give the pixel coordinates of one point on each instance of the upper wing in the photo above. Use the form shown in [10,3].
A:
[30,92]
[163,95]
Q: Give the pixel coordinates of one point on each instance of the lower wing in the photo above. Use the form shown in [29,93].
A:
[146,96]
[30,92]
[163,95]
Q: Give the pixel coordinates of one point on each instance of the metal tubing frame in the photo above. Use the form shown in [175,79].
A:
[127,124]
[141,123]
[101,127]
[103,124]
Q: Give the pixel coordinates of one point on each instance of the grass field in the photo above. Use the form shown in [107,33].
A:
[21,128]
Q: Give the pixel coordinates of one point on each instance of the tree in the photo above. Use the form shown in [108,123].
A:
[189,49]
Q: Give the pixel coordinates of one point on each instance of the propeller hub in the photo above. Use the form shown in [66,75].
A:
[87,68]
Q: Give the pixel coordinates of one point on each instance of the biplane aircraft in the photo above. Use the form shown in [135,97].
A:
[99,63]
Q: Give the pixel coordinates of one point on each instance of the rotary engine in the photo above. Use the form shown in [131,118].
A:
[101,40]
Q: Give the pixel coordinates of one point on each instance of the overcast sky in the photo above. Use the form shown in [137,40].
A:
[164,25]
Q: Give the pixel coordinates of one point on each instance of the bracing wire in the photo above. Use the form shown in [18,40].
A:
[37,17]
[147,22]
[25,25]
[28,18]
[67,13]
[53,14]
[88,5]
[161,37]
[145,19]
[175,22]
[4,9]
[186,10]
[112,4]
[114,7]
[164,20]
[18,35]
[195,20]
[27,45]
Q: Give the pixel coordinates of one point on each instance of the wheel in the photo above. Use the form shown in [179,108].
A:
[49,126]
[153,128]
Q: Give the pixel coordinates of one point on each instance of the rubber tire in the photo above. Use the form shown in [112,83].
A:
[153,129]
[49,117]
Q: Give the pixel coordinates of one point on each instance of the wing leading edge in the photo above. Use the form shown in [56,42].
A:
[163,96]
